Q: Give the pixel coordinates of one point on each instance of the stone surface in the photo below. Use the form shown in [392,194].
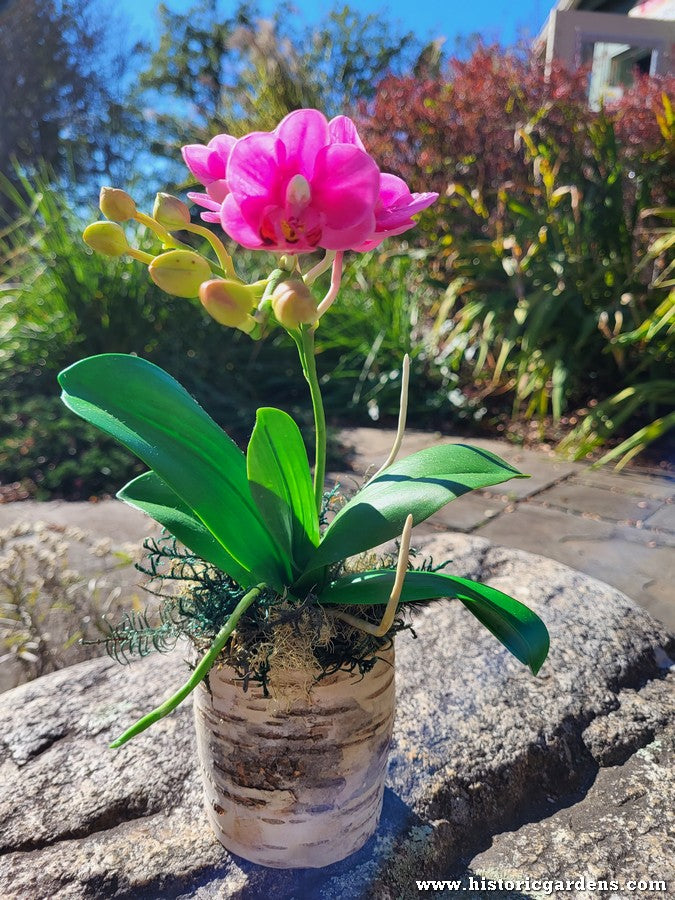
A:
[106,518]
[633,560]
[110,541]
[663,518]
[606,504]
[480,748]
[616,832]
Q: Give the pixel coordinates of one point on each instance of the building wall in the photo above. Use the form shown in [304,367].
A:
[634,35]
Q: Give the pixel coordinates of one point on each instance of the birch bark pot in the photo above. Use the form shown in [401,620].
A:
[297,785]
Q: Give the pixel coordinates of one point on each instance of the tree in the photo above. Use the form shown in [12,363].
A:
[215,73]
[62,88]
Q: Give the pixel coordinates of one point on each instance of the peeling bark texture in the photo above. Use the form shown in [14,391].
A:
[296,785]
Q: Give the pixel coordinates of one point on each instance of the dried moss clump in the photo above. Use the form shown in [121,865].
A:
[280,640]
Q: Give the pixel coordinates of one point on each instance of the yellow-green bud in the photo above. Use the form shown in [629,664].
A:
[179,272]
[171,212]
[116,205]
[107,238]
[228,302]
[293,304]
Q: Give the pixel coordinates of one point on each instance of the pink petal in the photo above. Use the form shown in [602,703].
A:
[218,190]
[254,172]
[343,131]
[238,228]
[393,218]
[211,217]
[222,144]
[304,133]
[203,200]
[348,238]
[204,163]
[393,190]
[345,185]
[370,244]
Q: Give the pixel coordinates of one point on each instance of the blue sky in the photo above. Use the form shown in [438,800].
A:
[494,19]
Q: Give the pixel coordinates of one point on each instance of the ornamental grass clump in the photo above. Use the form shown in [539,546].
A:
[279,586]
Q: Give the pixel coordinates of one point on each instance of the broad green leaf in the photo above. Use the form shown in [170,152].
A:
[149,494]
[151,414]
[419,484]
[281,483]
[519,629]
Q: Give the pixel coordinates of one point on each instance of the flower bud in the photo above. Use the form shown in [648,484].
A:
[116,205]
[179,272]
[228,302]
[171,212]
[107,238]
[293,304]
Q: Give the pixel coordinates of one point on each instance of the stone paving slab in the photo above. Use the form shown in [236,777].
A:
[617,526]
[641,484]
[469,513]
[574,496]
[623,557]
[474,509]
[371,447]
[663,518]
[107,518]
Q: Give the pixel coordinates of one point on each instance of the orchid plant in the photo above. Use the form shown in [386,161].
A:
[308,185]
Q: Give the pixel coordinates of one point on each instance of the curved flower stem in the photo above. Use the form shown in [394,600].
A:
[140,255]
[322,266]
[223,256]
[306,350]
[200,671]
[165,236]
[335,279]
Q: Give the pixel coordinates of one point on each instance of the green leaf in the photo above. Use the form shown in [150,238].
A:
[281,483]
[149,494]
[519,629]
[419,484]
[151,414]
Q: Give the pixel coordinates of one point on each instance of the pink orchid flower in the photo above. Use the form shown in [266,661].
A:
[293,189]
[208,164]
[310,183]
[395,204]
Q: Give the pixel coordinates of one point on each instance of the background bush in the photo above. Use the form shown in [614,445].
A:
[552,240]
[542,286]
[60,302]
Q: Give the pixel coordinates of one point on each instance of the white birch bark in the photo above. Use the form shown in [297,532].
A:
[299,786]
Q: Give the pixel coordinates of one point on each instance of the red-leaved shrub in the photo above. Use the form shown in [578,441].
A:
[461,127]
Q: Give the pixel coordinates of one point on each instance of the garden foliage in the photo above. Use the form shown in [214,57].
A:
[545,291]
[556,240]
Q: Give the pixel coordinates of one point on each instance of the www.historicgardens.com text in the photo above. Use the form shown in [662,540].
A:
[546,886]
